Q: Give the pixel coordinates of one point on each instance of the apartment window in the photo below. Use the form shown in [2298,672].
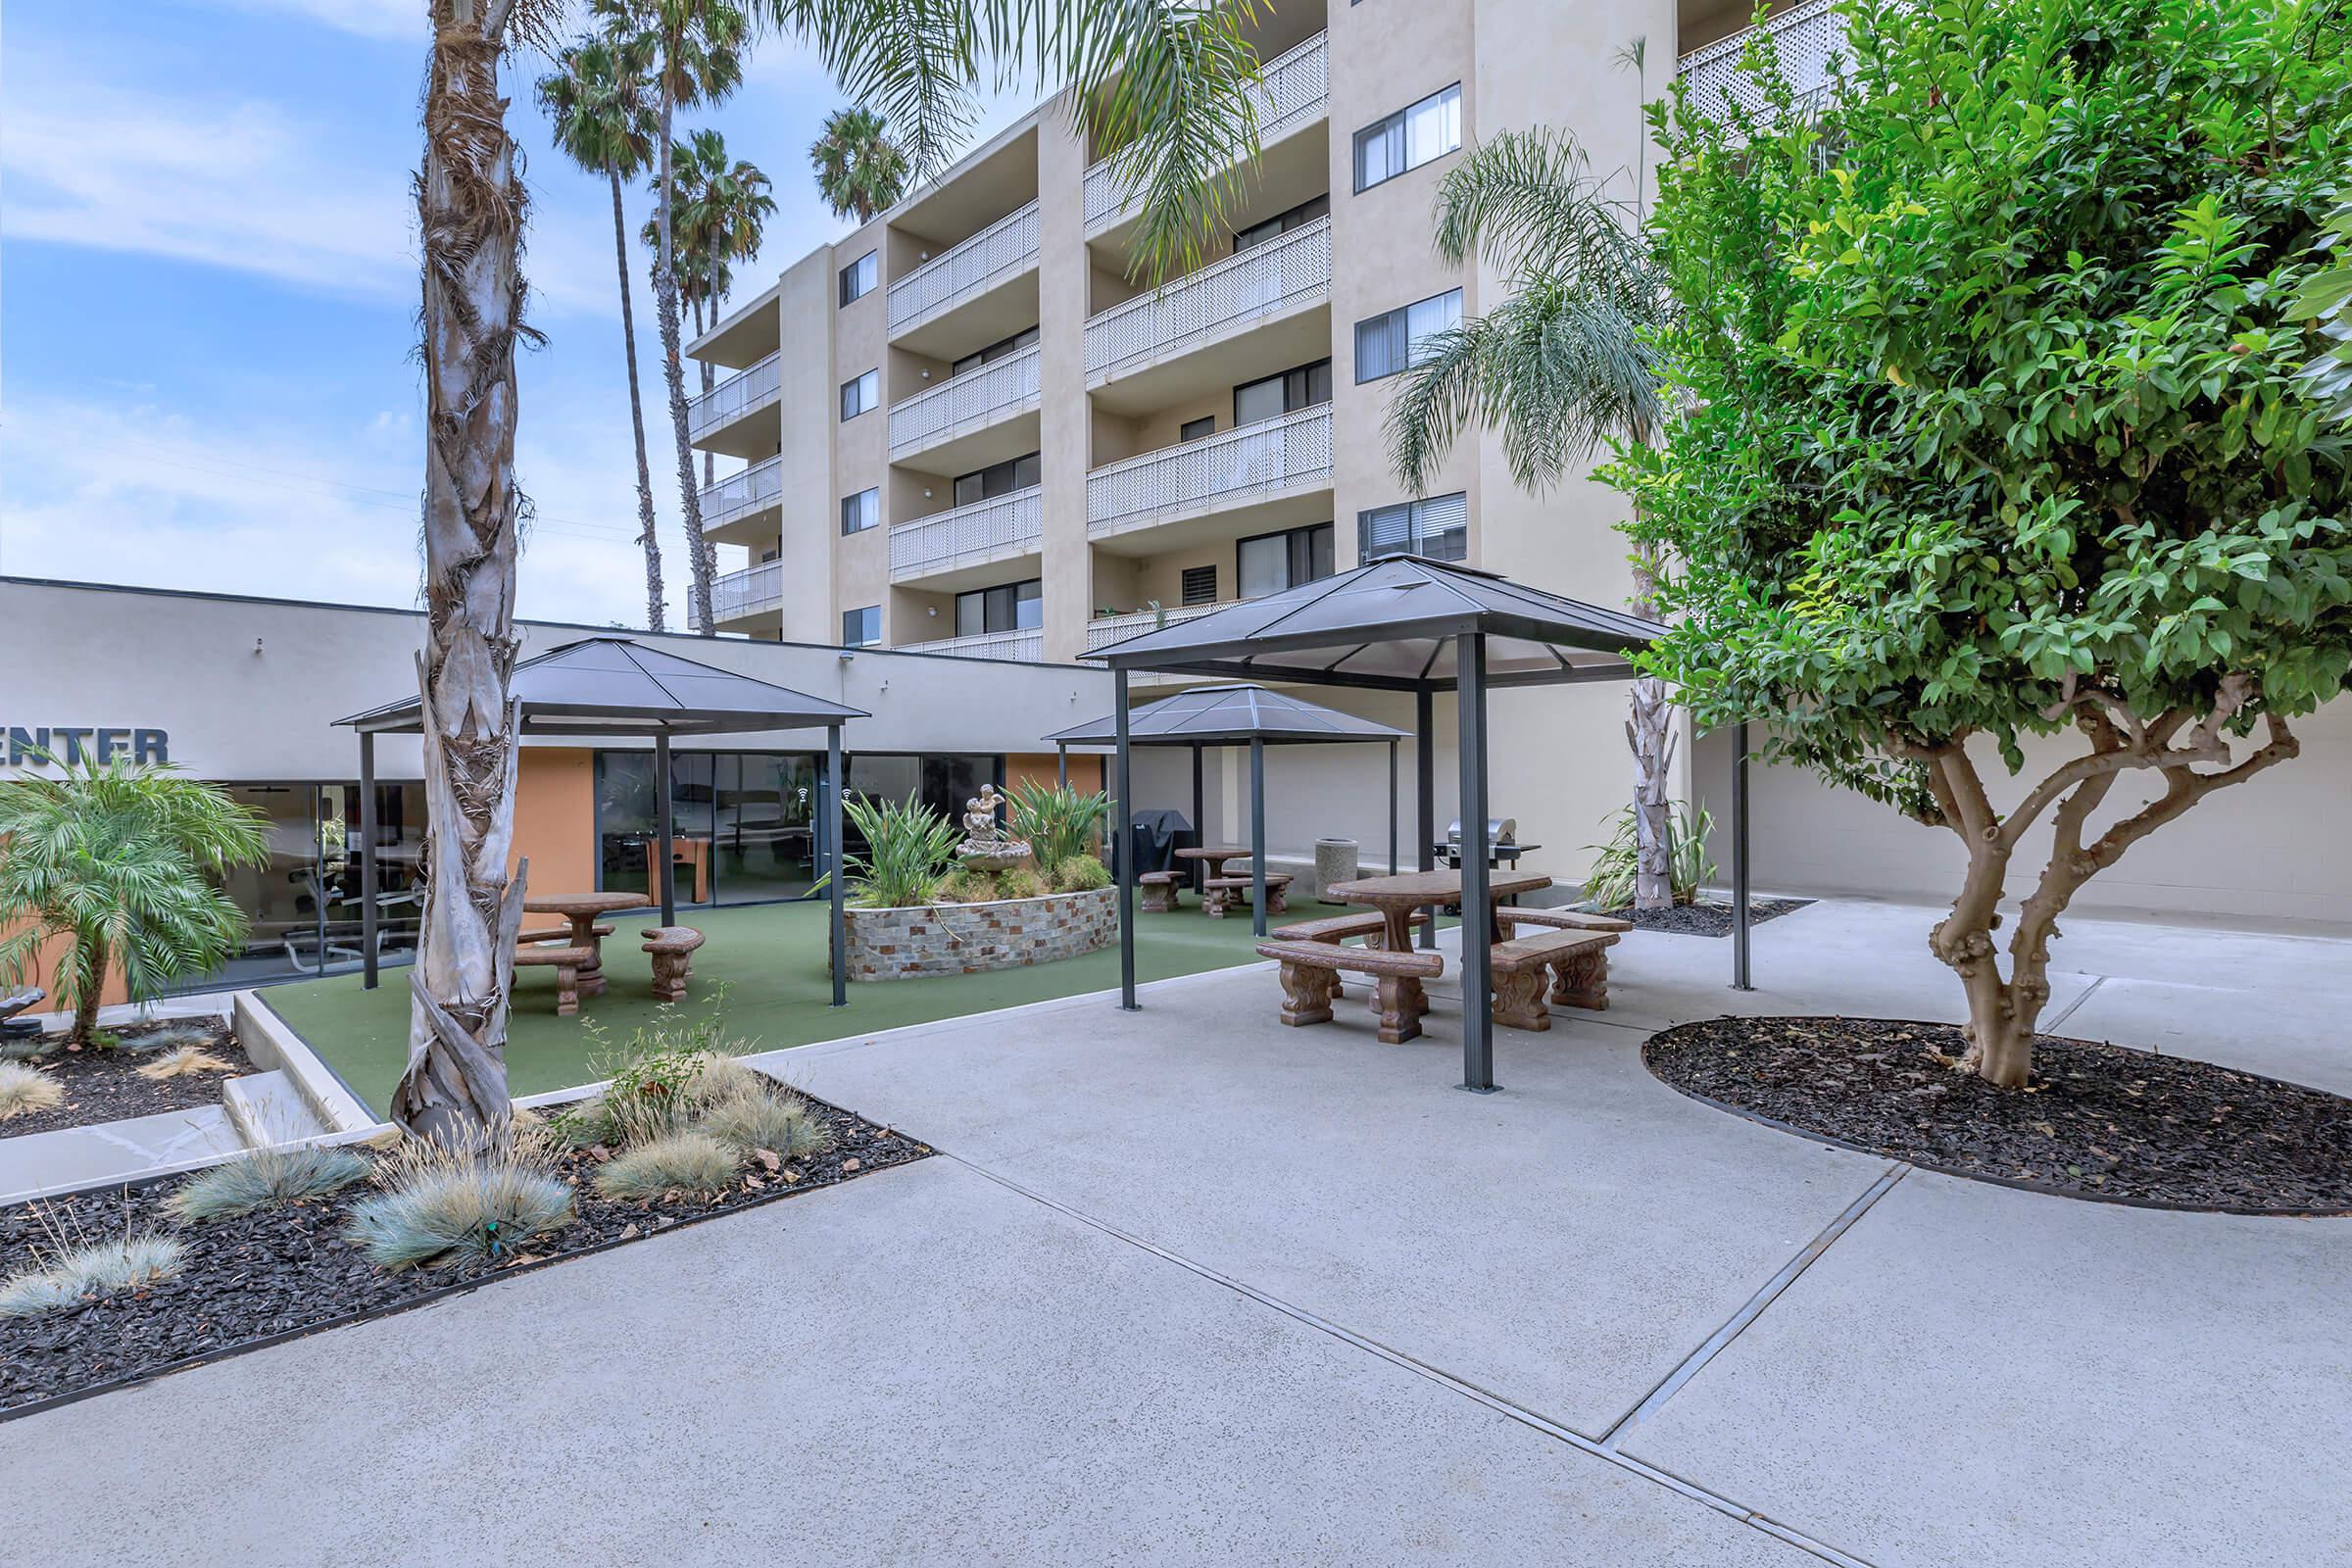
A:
[860,395]
[1277,395]
[994,352]
[1438,527]
[861,512]
[1200,585]
[1282,223]
[1398,338]
[1197,429]
[1273,562]
[998,479]
[1007,607]
[1409,138]
[858,279]
[862,628]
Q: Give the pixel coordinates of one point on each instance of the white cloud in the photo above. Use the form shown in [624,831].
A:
[370,18]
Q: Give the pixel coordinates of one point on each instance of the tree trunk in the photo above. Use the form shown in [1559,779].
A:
[646,537]
[709,379]
[90,959]
[674,371]
[1647,733]
[471,206]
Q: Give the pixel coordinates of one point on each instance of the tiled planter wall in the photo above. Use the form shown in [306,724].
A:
[969,938]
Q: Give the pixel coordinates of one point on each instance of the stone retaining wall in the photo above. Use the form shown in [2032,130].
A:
[971,938]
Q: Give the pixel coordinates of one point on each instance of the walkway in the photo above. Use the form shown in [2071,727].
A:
[1188,1288]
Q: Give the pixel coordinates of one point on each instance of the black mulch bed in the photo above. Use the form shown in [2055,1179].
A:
[288,1270]
[2098,1120]
[1706,919]
[104,1085]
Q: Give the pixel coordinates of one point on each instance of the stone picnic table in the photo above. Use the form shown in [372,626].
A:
[1398,897]
[1215,857]
[583,911]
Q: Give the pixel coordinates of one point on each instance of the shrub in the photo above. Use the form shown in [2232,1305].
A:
[442,1201]
[688,1161]
[907,850]
[1057,821]
[1080,873]
[130,1262]
[265,1177]
[181,1063]
[777,1121]
[26,1089]
[1609,885]
[1020,883]
[963,884]
[171,1036]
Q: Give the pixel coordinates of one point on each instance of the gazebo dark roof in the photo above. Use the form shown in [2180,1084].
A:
[614,686]
[1229,715]
[1391,623]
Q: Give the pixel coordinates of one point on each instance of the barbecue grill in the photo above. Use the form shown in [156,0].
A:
[1502,844]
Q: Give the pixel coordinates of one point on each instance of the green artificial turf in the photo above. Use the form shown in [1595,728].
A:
[772,961]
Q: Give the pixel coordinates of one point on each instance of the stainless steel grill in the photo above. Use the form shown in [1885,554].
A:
[1502,843]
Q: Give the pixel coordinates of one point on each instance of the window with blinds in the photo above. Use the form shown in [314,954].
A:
[1409,138]
[1396,339]
[1437,527]
[861,512]
[1200,585]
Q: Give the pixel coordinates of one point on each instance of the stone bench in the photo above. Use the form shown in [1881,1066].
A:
[1160,890]
[1511,914]
[672,948]
[1223,892]
[1311,974]
[568,962]
[1370,924]
[1578,960]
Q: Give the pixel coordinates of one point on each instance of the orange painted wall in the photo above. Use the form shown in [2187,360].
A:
[555,818]
[1086,772]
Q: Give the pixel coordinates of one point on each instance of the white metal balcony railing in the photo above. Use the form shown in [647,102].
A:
[751,592]
[967,402]
[1294,89]
[1219,470]
[740,494]
[1804,36]
[1027,647]
[1104,630]
[971,535]
[1247,286]
[996,252]
[747,390]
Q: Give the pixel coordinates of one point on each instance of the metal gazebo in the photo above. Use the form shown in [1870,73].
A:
[615,687]
[1402,624]
[1237,715]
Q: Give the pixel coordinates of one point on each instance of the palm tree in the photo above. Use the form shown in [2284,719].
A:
[1562,366]
[119,862]
[721,209]
[859,167]
[597,99]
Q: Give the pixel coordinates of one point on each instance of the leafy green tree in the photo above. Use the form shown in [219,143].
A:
[117,862]
[605,122]
[1993,429]
[858,169]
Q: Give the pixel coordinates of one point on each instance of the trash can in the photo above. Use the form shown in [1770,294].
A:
[1335,860]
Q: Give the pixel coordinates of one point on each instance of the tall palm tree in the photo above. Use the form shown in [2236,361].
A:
[859,167]
[605,122]
[1561,367]
[721,207]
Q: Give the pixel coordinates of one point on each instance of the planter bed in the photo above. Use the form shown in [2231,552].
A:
[2098,1120]
[919,941]
[289,1269]
[104,1085]
[1709,919]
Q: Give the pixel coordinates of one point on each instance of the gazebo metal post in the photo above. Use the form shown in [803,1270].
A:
[1740,910]
[1199,824]
[1478,1018]
[367,914]
[1258,836]
[1425,786]
[667,869]
[1126,853]
[1062,767]
[1391,808]
[839,867]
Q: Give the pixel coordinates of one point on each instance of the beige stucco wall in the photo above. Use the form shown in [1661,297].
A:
[805,303]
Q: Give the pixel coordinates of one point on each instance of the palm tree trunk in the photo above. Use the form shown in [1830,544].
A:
[666,289]
[654,594]
[709,379]
[91,958]
[469,204]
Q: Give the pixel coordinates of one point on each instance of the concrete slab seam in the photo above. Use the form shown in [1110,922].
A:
[1753,1307]
[1438,1375]
[2068,1012]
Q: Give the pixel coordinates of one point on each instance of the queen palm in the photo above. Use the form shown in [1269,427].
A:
[721,207]
[119,862]
[1562,366]
[605,122]
[859,167]
[1163,86]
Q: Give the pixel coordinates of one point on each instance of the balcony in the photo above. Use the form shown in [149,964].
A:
[1268,280]
[1294,91]
[742,498]
[980,264]
[1804,36]
[1289,458]
[1104,630]
[744,393]
[739,596]
[1027,647]
[964,405]
[969,537]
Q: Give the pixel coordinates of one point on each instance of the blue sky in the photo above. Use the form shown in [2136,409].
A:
[208,285]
